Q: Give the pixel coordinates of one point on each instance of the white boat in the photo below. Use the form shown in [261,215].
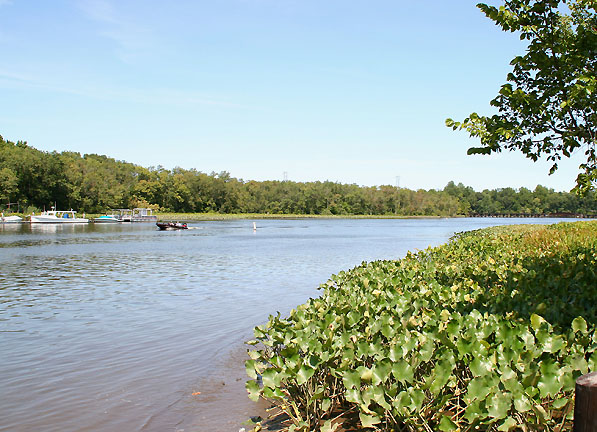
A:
[57,216]
[10,219]
[106,219]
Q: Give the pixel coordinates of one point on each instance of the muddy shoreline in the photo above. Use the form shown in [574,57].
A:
[221,402]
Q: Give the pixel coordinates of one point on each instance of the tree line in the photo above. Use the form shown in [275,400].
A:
[94,184]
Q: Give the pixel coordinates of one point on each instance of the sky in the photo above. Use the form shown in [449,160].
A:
[309,90]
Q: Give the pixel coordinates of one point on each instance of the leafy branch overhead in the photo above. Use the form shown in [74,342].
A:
[547,107]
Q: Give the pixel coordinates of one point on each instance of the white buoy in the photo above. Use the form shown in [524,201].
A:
[254,226]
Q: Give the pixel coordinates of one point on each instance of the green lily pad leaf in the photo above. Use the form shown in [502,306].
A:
[270,378]
[254,390]
[536,321]
[328,426]
[477,389]
[579,325]
[550,343]
[507,374]
[508,425]
[481,366]
[475,412]
[351,380]
[353,395]
[250,368]
[499,405]
[366,373]
[446,424]
[381,372]
[369,420]
[426,350]
[439,377]
[549,385]
[403,372]
[417,397]
[522,403]
[560,403]
[275,393]
[254,355]
[304,374]
[396,353]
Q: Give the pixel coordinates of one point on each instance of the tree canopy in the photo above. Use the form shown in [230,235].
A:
[95,184]
[547,108]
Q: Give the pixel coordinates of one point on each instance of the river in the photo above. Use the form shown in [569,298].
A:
[126,328]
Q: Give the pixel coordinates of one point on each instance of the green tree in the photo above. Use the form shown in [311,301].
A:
[548,106]
[9,184]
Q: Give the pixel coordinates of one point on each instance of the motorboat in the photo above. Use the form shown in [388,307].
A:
[170,226]
[106,219]
[10,219]
[57,217]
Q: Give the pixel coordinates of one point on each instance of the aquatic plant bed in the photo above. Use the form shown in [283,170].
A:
[487,332]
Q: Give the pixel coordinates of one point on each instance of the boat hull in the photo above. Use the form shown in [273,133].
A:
[55,220]
[106,220]
[171,226]
[58,217]
[10,219]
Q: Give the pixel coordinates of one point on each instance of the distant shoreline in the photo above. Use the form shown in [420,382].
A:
[192,217]
[249,216]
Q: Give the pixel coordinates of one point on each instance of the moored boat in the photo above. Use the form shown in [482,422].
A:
[106,219]
[57,216]
[10,219]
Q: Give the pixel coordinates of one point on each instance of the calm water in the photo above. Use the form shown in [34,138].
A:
[114,327]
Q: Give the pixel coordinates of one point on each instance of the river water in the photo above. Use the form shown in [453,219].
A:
[126,328]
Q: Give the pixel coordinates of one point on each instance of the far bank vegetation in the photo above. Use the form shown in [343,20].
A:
[94,184]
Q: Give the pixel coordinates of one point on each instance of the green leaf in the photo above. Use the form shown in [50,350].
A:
[522,403]
[403,372]
[417,398]
[536,321]
[499,405]
[481,366]
[328,426]
[478,389]
[270,378]
[579,325]
[440,376]
[354,396]
[304,374]
[381,372]
[250,369]
[254,390]
[478,150]
[508,425]
[351,380]
[446,424]
[368,420]
[366,373]
[549,381]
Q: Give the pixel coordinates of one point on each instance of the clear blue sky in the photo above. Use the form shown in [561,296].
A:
[350,91]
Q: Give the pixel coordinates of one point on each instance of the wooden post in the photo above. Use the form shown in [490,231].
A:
[585,404]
